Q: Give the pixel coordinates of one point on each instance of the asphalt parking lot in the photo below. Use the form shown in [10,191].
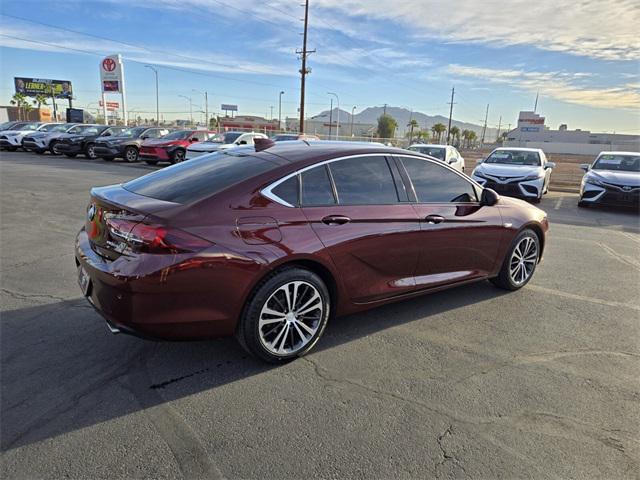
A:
[472,382]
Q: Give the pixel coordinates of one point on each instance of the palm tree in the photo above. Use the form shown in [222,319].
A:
[413,123]
[40,100]
[472,137]
[465,138]
[437,130]
[19,100]
[455,135]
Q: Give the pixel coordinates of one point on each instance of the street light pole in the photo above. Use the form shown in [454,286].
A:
[157,95]
[352,112]
[280,110]
[206,105]
[330,118]
[190,108]
[338,124]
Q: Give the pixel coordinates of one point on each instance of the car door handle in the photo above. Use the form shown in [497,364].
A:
[335,220]
[433,219]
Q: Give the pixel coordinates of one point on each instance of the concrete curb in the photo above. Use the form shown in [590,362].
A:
[558,188]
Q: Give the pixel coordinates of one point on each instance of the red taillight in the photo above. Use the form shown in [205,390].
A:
[149,238]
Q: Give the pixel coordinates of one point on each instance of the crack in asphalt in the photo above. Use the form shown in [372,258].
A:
[30,296]
[446,455]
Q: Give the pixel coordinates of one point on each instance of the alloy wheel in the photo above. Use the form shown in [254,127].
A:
[91,153]
[523,260]
[178,156]
[131,155]
[290,318]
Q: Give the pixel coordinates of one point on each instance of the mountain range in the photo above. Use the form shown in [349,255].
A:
[403,116]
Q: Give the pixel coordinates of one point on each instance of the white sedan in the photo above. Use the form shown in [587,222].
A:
[516,172]
[445,153]
[222,142]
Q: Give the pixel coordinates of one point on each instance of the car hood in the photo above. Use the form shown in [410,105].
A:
[209,146]
[17,133]
[617,178]
[117,140]
[500,170]
[72,137]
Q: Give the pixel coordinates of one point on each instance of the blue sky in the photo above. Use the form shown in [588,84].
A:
[584,61]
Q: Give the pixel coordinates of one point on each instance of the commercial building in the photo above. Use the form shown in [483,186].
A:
[532,132]
[325,125]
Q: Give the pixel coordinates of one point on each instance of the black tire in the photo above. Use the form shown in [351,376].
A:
[537,200]
[52,148]
[40,151]
[178,156]
[151,162]
[70,155]
[89,151]
[505,279]
[248,332]
[131,154]
[583,204]
[11,149]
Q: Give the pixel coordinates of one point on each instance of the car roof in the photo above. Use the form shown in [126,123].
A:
[519,149]
[309,152]
[428,145]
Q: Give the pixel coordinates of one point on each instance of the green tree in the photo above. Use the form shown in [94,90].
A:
[455,135]
[413,123]
[386,126]
[438,129]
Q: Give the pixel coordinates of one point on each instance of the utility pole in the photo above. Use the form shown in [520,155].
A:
[338,122]
[304,71]
[352,112]
[535,105]
[484,128]
[157,95]
[385,109]
[499,125]
[271,117]
[190,108]
[330,117]
[453,91]
[280,109]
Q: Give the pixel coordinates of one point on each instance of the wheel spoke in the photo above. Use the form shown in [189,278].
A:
[309,304]
[302,335]
[308,329]
[275,313]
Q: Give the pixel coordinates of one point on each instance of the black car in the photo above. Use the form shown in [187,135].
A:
[127,144]
[72,144]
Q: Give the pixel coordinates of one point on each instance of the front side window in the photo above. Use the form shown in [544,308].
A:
[364,181]
[434,183]
[316,187]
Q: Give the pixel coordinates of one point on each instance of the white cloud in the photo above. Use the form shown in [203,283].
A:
[557,85]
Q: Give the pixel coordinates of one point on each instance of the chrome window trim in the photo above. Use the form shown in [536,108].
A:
[268,190]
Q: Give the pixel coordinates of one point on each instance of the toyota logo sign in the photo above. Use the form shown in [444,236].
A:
[109,64]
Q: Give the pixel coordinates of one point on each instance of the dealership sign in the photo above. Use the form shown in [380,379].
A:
[111,74]
[42,86]
[110,105]
[229,108]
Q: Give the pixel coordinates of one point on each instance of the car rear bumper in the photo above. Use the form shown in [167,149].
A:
[170,296]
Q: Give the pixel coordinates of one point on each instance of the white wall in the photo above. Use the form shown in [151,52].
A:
[573,148]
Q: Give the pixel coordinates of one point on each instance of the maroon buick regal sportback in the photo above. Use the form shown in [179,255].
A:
[268,243]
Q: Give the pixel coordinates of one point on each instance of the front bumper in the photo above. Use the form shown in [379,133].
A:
[10,141]
[69,148]
[103,150]
[527,189]
[609,195]
[154,153]
[29,143]
[175,297]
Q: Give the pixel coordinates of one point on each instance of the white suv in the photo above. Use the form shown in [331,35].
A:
[445,153]
[516,172]
[222,142]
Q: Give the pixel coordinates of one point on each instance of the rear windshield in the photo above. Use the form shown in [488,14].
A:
[201,177]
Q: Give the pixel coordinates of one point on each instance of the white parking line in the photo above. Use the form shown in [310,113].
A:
[582,298]
[558,203]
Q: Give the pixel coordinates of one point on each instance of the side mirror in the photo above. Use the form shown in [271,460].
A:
[479,161]
[144,137]
[193,139]
[452,160]
[489,197]
[585,167]
[107,134]
[242,142]
[550,165]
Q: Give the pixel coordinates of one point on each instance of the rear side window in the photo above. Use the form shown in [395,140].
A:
[288,191]
[364,181]
[201,177]
[434,183]
[316,187]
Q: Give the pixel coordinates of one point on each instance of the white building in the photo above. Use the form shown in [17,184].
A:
[532,132]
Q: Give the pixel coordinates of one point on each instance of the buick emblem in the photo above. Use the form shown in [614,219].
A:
[626,188]
[91,212]
[503,178]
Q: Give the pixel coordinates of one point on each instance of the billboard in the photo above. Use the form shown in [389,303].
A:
[111,74]
[40,86]
[230,108]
